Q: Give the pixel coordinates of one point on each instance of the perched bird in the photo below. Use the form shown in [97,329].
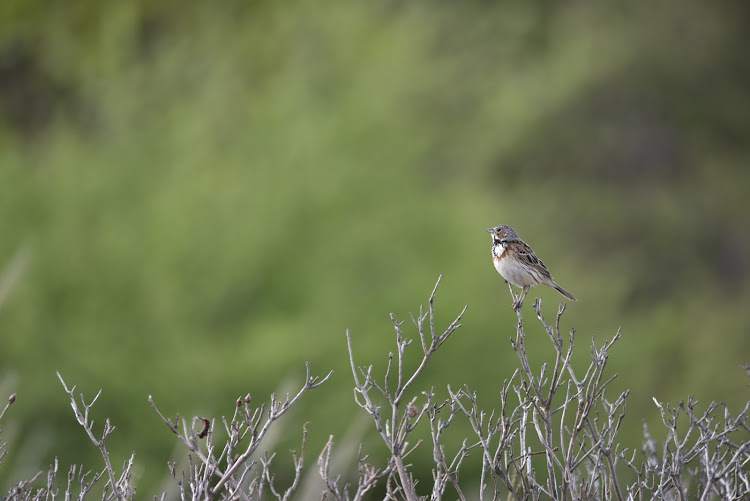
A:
[518,265]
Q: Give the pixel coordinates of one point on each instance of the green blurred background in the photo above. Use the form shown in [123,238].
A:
[197,198]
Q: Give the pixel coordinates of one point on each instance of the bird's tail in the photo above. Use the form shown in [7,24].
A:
[563,292]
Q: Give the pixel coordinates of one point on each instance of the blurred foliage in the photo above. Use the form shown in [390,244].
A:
[211,194]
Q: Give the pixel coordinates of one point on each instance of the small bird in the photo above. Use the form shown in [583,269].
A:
[518,265]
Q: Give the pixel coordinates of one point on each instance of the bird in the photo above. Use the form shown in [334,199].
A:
[518,265]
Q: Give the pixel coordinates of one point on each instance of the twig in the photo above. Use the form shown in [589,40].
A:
[118,489]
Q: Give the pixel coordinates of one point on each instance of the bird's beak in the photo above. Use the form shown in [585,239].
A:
[491,230]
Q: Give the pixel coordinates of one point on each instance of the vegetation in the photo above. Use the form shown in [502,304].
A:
[574,433]
[195,200]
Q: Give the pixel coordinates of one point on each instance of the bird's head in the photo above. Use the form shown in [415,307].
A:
[502,232]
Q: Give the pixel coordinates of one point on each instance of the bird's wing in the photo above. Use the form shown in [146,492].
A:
[527,255]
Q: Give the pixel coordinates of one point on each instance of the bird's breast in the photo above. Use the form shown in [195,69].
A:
[513,270]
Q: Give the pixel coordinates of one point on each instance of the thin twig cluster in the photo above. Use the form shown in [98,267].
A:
[400,417]
[229,471]
[553,434]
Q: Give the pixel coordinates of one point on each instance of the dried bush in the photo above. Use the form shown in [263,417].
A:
[552,436]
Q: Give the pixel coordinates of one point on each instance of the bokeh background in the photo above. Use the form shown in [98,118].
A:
[196,198]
